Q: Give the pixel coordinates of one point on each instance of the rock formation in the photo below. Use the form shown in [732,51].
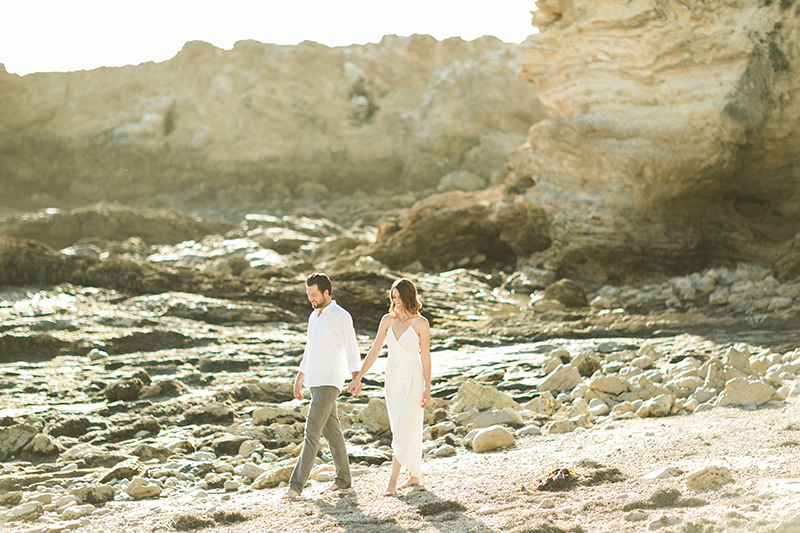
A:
[216,127]
[671,146]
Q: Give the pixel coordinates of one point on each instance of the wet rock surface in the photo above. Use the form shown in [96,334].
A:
[157,385]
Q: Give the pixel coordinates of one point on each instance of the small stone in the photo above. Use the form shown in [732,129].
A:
[663,473]
[708,478]
[528,430]
[445,450]
[635,516]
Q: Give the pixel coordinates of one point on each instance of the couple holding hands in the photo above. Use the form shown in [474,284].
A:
[331,353]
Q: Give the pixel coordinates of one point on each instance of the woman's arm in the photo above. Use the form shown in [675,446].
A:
[424,333]
[372,355]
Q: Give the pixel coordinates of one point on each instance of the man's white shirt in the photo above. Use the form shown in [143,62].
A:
[331,353]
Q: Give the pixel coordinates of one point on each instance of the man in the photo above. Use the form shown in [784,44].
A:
[331,352]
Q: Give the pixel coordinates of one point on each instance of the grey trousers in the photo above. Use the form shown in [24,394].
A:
[322,420]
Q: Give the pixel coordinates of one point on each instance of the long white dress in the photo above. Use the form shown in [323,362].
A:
[404,384]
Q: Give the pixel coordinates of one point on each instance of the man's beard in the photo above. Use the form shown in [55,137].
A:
[316,305]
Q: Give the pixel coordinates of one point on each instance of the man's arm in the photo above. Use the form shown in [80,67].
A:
[347,334]
[298,386]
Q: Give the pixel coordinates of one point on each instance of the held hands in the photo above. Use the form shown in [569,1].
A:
[354,387]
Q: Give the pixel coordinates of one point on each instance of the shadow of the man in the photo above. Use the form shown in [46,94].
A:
[347,515]
[443,514]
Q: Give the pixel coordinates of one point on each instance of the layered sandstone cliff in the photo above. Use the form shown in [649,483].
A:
[262,121]
[672,142]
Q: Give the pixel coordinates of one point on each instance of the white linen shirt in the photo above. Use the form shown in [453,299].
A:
[331,354]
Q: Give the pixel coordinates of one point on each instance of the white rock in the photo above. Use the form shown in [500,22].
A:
[376,416]
[565,377]
[635,516]
[24,511]
[708,478]
[543,404]
[249,447]
[611,385]
[326,477]
[527,431]
[273,477]
[789,525]
[445,450]
[660,405]
[77,511]
[250,471]
[664,521]
[547,503]
[492,438]
[547,306]
[140,488]
[738,359]
[664,473]
[471,393]
[95,354]
[742,392]
[488,417]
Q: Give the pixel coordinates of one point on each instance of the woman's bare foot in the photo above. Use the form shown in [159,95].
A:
[391,490]
[290,495]
[410,483]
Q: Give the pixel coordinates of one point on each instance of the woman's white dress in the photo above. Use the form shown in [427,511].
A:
[404,384]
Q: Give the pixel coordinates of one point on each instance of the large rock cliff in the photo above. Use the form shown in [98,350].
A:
[672,142]
[263,121]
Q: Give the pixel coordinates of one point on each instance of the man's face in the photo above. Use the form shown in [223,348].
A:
[318,299]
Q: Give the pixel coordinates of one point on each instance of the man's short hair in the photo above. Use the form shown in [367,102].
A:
[322,281]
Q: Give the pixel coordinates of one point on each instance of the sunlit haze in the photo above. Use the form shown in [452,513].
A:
[58,35]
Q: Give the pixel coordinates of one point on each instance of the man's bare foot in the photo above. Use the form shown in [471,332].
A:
[391,490]
[290,495]
[410,483]
[334,487]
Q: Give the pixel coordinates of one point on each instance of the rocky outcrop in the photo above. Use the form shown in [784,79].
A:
[671,144]
[263,121]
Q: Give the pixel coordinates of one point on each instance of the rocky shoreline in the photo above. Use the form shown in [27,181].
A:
[167,373]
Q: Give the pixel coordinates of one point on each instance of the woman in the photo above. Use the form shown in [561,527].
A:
[408,378]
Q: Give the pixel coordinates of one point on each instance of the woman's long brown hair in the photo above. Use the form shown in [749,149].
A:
[408,295]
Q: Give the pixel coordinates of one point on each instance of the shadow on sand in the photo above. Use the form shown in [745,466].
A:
[444,515]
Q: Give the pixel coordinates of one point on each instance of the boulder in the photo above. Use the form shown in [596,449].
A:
[611,385]
[208,413]
[140,488]
[26,511]
[488,417]
[492,438]
[543,404]
[95,493]
[567,292]
[273,477]
[268,415]
[708,478]
[14,438]
[473,394]
[376,416]
[743,392]
[565,377]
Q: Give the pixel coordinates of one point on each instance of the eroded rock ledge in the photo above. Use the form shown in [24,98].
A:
[671,146]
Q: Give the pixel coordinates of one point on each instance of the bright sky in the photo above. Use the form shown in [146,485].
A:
[66,35]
